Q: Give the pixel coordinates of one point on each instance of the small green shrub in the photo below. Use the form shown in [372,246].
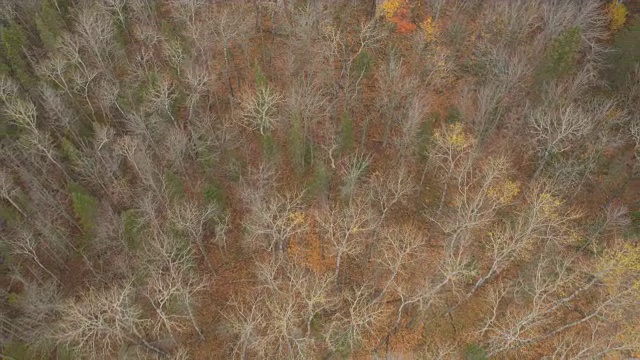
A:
[69,151]
[13,299]
[297,145]
[424,135]
[174,184]
[456,34]
[321,180]
[343,345]
[625,55]
[474,352]
[16,350]
[14,41]
[50,24]
[454,115]
[362,64]
[9,214]
[269,146]
[562,55]
[132,224]
[261,78]
[85,208]
[347,136]
[214,195]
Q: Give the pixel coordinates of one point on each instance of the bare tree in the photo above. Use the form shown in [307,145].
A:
[39,307]
[423,294]
[26,245]
[106,93]
[8,190]
[161,97]
[24,113]
[314,293]
[61,116]
[635,134]
[544,219]
[508,328]
[608,278]
[97,162]
[247,321]
[452,146]
[407,140]
[259,109]
[369,37]
[284,333]
[135,152]
[344,228]
[560,130]
[118,7]
[190,13]
[8,88]
[101,321]
[221,231]
[170,290]
[602,341]
[95,29]
[398,249]
[55,69]
[229,26]
[391,187]
[481,192]
[192,219]
[172,283]
[198,80]
[357,322]
[306,106]
[395,90]
[273,221]
[352,169]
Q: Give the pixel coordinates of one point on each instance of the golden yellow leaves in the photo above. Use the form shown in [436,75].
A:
[355,230]
[459,141]
[429,28]
[329,30]
[628,258]
[398,12]
[549,205]
[573,237]
[389,8]
[620,266]
[296,218]
[617,15]
[454,137]
[505,191]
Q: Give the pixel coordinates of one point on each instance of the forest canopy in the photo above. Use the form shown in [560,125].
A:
[317,179]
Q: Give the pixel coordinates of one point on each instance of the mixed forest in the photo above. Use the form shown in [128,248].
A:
[317,179]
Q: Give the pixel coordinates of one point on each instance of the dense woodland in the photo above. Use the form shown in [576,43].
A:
[397,179]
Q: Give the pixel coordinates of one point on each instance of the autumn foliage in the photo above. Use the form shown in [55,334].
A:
[292,179]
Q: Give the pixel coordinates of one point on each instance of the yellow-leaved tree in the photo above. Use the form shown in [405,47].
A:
[617,14]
